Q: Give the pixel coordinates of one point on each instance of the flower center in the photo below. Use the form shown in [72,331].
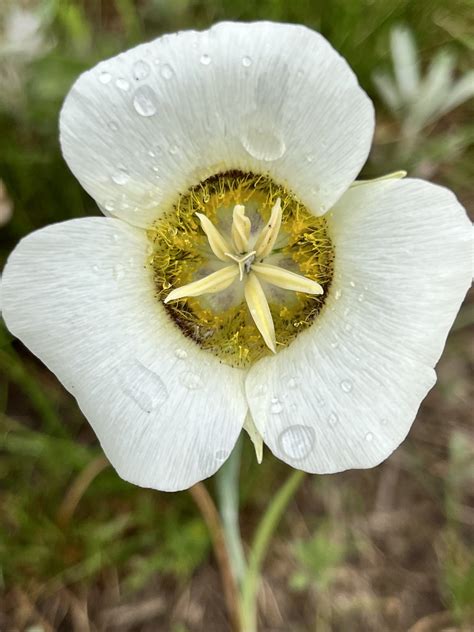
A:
[241,266]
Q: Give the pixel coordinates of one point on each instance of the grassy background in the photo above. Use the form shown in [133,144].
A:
[386,549]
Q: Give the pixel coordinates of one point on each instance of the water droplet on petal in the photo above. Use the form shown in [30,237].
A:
[119,272]
[309,158]
[222,455]
[140,69]
[122,84]
[191,380]
[369,437]
[260,390]
[181,354]
[263,142]
[293,382]
[346,386]
[143,386]
[166,71]
[109,205]
[205,60]
[360,298]
[276,407]
[297,441]
[144,101]
[384,422]
[333,420]
[348,327]
[337,294]
[121,177]
[112,125]
[105,77]
[352,284]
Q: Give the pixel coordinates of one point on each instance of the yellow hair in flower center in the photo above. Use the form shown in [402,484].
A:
[182,255]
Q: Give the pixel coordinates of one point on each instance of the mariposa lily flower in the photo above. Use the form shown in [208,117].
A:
[241,277]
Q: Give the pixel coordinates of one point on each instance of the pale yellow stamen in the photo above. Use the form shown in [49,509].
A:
[218,244]
[286,279]
[246,269]
[260,311]
[215,282]
[269,234]
[240,229]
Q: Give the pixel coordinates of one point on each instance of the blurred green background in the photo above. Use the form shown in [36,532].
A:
[385,549]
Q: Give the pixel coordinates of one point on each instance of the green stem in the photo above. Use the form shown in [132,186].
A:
[227,480]
[263,535]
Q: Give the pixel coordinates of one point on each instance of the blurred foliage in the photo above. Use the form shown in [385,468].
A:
[48,453]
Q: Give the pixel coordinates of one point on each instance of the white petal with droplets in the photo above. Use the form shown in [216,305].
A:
[78,296]
[346,391]
[272,95]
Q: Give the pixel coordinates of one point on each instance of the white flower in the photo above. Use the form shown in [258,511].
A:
[270,118]
[22,34]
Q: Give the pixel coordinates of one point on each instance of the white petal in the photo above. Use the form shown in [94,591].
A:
[346,392]
[262,97]
[285,279]
[210,284]
[79,296]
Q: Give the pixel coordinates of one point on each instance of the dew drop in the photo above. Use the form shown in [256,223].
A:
[276,406]
[205,60]
[246,61]
[144,101]
[166,71]
[348,327]
[143,386]
[96,269]
[337,294]
[309,158]
[105,77]
[333,420]
[293,382]
[260,390]
[191,380]
[109,205]
[297,441]
[181,354]
[352,284]
[263,143]
[140,69]
[121,177]
[346,386]
[369,437]
[222,455]
[360,298]
[119,272]
[122,84]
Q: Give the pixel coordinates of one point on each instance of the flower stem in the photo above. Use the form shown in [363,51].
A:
[208,510]
[263,535]
[227,480]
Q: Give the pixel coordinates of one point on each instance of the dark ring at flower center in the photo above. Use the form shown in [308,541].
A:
[221,323]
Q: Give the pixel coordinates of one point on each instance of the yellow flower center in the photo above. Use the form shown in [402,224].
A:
[241,266]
